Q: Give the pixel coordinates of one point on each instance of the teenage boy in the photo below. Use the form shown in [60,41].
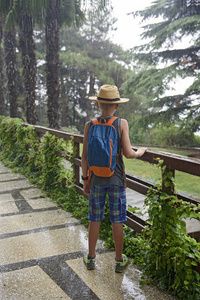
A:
[98,187]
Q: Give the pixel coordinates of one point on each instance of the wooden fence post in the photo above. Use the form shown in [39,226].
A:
[76,168]
[169,188]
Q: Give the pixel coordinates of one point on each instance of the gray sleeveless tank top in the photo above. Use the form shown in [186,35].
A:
[118,178]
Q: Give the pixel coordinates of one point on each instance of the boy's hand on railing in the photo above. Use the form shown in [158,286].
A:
[141,151]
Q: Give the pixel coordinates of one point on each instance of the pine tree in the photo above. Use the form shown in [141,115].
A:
[102,53]
[161,63]
[88,60]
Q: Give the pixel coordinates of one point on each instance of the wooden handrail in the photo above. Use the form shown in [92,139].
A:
[172,161]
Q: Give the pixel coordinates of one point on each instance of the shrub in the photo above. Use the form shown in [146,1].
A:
[173,136]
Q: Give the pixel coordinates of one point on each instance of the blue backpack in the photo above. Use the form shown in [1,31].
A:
[102,147]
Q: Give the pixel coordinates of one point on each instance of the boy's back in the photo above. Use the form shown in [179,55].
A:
[104,146]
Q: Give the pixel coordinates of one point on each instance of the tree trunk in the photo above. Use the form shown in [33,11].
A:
[27,46]
[63,105]
[52,63]
[91,93]
[11,70]
[2,100]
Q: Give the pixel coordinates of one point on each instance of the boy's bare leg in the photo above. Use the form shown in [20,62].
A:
[93,237]
[118,237]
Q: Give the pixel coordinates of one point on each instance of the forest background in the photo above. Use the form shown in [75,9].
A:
[54,54]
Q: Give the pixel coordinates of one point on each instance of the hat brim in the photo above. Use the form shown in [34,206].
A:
[121,100]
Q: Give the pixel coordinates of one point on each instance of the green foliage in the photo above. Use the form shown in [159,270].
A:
[161,63]
[85,57]
[179,18]
[22,149]
[13,136]
[172,256]
[69,11]
[173,136]
[135,246]
[14,9]
[52,168]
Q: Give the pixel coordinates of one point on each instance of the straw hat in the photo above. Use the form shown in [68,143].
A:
[108,94]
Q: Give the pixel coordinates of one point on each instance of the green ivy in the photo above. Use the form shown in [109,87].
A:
[172,256]
[22,149]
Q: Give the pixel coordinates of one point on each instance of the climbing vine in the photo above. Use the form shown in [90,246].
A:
[172,258]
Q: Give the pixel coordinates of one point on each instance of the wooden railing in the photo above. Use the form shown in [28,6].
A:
[173,163]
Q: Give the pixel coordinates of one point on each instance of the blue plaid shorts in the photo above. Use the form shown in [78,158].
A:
[117,203]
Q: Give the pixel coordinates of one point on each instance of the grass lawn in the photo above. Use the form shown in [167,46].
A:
[186,183]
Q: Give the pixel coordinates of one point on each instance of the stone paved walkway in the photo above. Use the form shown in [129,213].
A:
[41,250]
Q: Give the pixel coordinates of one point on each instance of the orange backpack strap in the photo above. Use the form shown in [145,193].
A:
[111,121]
[95,121]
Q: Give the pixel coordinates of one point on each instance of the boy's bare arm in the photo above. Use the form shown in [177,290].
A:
[84,161]
[126,145]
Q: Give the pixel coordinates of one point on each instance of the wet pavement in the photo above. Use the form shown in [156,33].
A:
[42,248]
